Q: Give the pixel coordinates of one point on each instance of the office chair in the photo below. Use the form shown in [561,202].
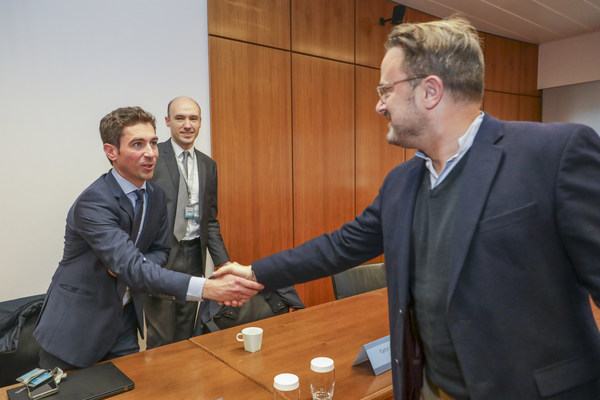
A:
[360,279]
[19,351]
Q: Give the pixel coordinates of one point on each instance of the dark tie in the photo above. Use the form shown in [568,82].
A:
[137,214]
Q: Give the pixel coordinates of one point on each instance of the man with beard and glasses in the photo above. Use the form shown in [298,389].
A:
[491,234]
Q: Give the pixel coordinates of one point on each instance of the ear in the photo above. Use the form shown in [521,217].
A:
[111,152]
[168,122]
[434,90]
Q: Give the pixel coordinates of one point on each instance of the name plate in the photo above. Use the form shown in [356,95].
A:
[378,353]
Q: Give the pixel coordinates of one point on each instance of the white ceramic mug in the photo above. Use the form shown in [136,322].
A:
[252,338]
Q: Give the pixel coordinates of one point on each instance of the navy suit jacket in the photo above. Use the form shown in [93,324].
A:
[81,316]
[166,174]
[525,258]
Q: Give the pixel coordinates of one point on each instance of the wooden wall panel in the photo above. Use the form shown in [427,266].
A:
[370,35]
[252,144]
[502,64]
[264,22]
[282,182]
[530,108]
[414,16]
[409,153]
[528,69]
[375,157]
[482,44]
[501,105]
[324,28]
[323,151]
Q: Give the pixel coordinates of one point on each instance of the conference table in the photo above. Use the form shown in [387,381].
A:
[181,371]
[216,366]
[337,330]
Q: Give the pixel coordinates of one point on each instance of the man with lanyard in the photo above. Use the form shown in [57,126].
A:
[189,179]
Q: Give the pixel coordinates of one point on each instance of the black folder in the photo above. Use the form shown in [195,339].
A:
[93,383]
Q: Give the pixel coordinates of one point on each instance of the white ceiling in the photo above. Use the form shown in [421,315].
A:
[533,21]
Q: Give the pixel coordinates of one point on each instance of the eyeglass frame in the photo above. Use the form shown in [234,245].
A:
[382,90]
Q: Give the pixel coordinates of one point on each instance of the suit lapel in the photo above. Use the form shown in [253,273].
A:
[125,205]
[168,156]
[479,173]
[403,206]
[122,198]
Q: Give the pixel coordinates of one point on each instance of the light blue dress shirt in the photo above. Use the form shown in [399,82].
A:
[464,144]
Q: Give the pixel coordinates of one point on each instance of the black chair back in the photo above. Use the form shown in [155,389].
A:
[360,279]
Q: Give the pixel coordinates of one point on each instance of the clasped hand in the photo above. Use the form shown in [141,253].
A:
[234,285]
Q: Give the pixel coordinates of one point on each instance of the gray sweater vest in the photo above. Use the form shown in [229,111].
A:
[432,231]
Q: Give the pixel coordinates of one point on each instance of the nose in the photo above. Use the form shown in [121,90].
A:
[150,151]
[380,107]
[187,124]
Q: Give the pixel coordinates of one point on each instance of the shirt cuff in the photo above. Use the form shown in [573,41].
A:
[195,288]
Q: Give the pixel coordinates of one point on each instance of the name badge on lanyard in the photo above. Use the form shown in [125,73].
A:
[189,212]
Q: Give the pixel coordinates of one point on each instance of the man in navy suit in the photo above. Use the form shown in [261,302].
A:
[491,234]
[115,246]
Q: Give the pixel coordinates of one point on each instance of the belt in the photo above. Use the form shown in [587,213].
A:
[190,242]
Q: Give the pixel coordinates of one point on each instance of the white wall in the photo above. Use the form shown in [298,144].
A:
[64,64]
[574,103]
[569,61]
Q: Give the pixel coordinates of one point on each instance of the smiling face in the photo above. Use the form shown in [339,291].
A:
[184,121]
[136,156]
[407,122]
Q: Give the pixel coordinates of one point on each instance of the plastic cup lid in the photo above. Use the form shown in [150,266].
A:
[286,382]
[321,364]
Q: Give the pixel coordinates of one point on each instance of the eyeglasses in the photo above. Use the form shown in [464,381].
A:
[384,90]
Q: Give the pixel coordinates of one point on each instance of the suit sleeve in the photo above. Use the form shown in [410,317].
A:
[214,241]
[354,243]
[578,206]
[97,221]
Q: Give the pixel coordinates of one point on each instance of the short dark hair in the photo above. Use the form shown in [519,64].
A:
[113,123]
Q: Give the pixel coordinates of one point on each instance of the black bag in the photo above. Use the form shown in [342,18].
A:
[19,351]
[213,317]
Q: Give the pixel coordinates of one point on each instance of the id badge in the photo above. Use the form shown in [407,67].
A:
[189,212]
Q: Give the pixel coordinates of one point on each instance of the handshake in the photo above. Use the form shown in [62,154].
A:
[234,285]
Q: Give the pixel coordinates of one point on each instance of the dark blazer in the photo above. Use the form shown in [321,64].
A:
[526,256]
[166,174]
[81,317]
